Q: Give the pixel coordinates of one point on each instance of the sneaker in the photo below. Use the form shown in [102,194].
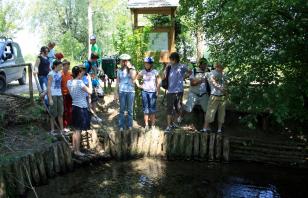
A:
[121,129]
[204,130]
[219,131]
[168,129]
[52,132]
[99,119]
[174,126]
[66,130]
[79,153]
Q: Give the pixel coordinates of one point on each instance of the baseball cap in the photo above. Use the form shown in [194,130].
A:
[93,37]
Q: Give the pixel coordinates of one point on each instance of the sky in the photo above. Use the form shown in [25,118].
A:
[28,41]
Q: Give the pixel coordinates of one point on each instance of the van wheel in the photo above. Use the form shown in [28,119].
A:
[22,80]
[2,84]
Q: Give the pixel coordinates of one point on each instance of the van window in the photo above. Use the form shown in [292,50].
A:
[16,51]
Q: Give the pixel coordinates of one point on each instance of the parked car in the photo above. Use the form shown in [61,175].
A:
[10,54]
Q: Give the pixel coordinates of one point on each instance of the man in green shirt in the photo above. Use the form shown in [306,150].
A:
[95,49]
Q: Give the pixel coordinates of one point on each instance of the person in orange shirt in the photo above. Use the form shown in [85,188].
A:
[67,99]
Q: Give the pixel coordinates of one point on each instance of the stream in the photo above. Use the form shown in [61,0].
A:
[159,178]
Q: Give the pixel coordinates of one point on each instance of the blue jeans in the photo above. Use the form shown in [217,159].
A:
[149,102]
[126,104]
[43,80]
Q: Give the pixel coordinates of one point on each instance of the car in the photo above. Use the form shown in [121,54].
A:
[10,54]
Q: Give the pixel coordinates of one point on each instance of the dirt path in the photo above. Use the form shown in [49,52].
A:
[15,88]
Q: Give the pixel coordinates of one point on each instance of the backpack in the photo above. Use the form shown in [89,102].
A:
[208,87]
[165,83]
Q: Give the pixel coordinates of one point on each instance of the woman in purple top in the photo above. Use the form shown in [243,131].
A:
[150,90]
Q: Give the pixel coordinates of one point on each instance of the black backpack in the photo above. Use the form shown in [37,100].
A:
[165,83]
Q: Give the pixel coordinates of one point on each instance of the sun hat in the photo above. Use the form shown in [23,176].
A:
[125,57]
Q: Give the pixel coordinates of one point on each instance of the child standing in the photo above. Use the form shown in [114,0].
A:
[81,117]
[67,99]
[150,90]
[55,95]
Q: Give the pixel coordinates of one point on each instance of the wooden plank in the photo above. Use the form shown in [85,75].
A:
[266,150]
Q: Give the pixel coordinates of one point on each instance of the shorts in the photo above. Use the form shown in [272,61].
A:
[216,103]
[174,103]
[56,109]
[81,118]
[194,99]
[149,102]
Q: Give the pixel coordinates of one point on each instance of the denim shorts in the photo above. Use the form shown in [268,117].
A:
[149,102]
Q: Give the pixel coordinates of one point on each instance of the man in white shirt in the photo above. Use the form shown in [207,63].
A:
[217,101]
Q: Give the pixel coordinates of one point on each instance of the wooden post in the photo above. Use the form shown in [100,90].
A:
[196,145]
[203,146]
[218,147]
[189,141]
[30,83]
[212,146]
[226,149]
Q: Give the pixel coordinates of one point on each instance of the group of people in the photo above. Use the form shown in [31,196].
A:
[72,95]
[207,89]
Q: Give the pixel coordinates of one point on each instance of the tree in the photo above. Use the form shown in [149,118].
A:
[264,45]
[10,20]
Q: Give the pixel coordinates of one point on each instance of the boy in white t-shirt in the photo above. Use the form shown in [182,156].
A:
[55,95]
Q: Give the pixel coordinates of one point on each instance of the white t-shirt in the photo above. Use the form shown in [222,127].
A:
[56,82]
[149,80]
[78,95]
[220,79]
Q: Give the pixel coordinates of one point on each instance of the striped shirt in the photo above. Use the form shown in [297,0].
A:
[78,95]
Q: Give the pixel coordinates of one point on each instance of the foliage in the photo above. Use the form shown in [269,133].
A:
[9,18]
[264,45]
[65,22]
[134,43]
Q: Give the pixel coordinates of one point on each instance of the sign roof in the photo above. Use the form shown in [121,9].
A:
[152,3]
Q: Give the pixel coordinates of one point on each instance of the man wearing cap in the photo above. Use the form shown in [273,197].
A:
[125,91]
[95,49]
[198,91]
[217,102]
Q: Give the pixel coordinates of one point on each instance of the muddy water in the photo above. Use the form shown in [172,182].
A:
[157,178]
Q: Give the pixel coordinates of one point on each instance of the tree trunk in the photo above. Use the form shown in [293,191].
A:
[90,24]
[200,43]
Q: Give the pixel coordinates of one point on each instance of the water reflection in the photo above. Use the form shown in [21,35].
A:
[157,178]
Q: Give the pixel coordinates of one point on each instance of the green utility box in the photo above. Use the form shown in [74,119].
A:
[109,66]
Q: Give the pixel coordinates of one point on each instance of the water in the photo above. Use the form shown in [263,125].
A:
[157,178]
